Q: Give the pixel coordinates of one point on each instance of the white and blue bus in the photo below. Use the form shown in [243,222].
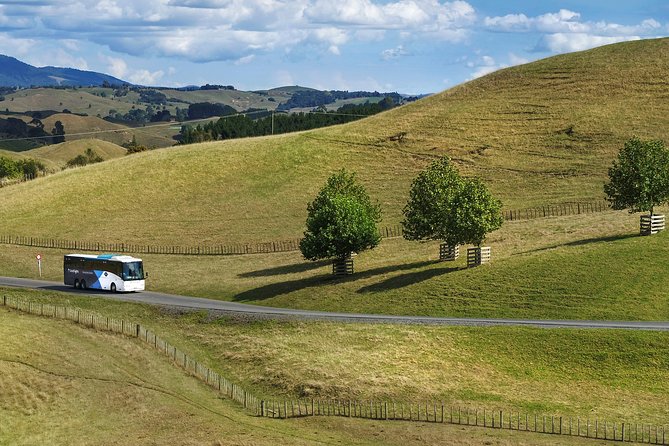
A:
[104,272]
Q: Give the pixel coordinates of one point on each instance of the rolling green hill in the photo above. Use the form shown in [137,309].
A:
[540,133]
[55,156]
[60,154]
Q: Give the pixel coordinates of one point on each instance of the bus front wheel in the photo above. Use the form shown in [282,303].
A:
[112,287]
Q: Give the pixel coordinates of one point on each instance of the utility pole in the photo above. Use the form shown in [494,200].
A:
[272,123]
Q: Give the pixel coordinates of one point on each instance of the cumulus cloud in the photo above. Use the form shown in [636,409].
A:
[394,53]
[421,16]
[562,21]
[563,43]
[487,64]
[115,66]
[20,46]
[566,21]
[145,77]
[118,67]
[235,29]
[564,31]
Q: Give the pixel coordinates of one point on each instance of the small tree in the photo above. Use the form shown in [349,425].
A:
[444,206]
[475,213]
[639,178]
[342,219]
[428,215]
[58,132]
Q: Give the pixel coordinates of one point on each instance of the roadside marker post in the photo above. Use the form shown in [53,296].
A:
[39,264]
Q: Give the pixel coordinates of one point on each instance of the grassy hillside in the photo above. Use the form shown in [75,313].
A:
[61,153]
[541,133]
[63,384]
[77,101]
[81,127]
[55,156]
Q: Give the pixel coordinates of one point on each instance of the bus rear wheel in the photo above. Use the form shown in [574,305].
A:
[76,283]
[112,287]
[82,284]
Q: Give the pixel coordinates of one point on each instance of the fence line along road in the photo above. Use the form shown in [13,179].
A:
[276,246]
[386,410]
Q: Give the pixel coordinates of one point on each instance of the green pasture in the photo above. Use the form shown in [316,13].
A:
[537,134]
[592,266]
[596,374]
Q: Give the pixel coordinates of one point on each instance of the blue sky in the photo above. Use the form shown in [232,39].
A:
[409,46]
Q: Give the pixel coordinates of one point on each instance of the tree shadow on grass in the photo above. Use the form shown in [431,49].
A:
[587,241]
[279,288]
[405,280]
[286,269]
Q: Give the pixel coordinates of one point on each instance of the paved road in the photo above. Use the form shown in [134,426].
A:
[171,300]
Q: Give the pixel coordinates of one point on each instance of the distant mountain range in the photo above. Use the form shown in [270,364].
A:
[14,73]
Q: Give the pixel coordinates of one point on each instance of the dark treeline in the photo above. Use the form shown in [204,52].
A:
[11,128]
[316,98]
[200,110]
[242,126]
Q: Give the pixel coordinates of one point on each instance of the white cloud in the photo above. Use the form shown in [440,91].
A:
[565,31]
[562,21]
[245,60]
[394,53]
[482,71]
[115,66]
[444,20]
[209,30]
[62,58]
[487,64]
[118,68]
[331,35]
[563,43]
[517,60]
[145,77]
[17,47]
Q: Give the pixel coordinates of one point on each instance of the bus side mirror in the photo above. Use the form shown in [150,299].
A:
[146,275]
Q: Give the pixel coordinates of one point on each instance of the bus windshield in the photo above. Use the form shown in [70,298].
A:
[133,271]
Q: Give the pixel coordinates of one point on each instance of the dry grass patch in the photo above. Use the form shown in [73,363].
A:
[63,384]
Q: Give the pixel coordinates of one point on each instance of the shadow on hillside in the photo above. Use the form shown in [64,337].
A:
[277,289]
[586,241]
[405,280]
[287,269]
